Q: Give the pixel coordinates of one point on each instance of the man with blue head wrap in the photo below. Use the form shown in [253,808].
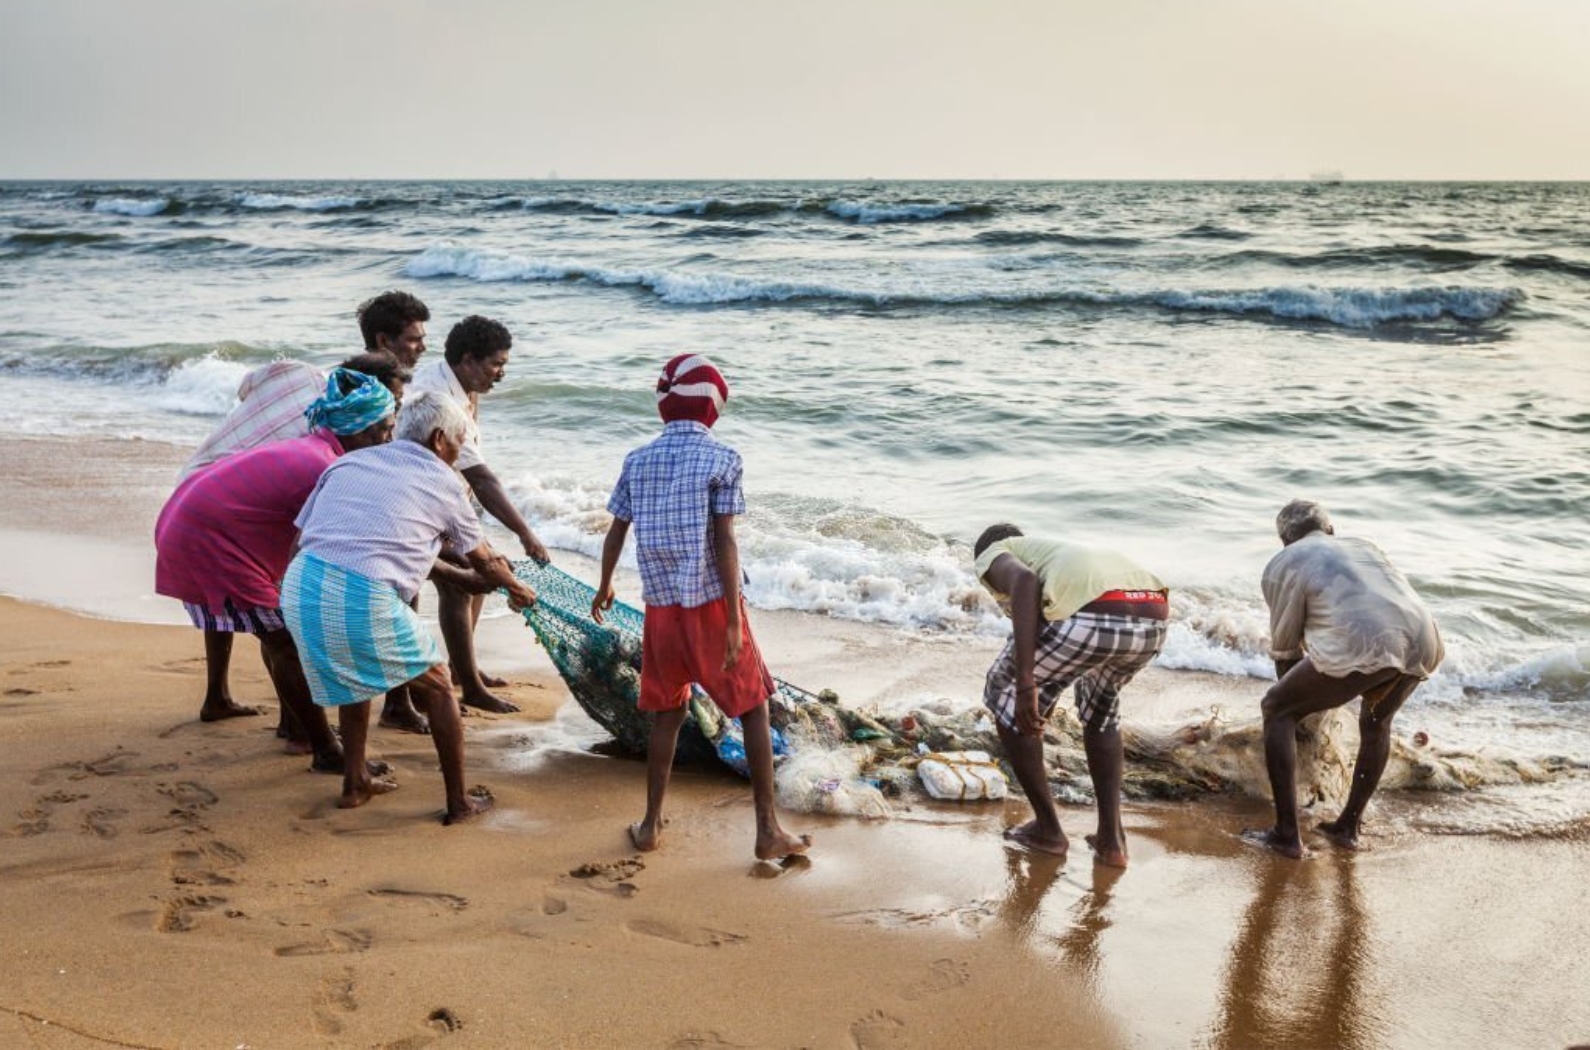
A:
[352,402]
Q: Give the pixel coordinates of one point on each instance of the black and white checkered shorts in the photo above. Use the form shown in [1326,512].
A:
[1099,653]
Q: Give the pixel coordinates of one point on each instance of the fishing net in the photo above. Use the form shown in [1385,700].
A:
[601,665]
[853,761]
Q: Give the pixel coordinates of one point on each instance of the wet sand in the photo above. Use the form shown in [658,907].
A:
[166,883]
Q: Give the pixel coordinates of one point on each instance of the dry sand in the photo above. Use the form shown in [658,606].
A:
[165,883]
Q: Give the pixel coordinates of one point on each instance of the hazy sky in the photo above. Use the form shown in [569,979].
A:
[811,89]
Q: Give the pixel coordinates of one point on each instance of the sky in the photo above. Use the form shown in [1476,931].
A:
[888,89]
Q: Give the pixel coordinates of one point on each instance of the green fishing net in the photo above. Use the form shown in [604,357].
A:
[600,663]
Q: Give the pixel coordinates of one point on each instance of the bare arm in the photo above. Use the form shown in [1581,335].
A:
[495,499]
[499,571]
[728,549]
[612,547]
[465,579]
[1009,576]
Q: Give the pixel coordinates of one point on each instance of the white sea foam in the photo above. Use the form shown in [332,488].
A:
[134,206]
[1352,307]
[867,214]
[205,386]
[281,202]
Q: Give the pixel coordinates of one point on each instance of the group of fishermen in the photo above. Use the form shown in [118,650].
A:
[301,521]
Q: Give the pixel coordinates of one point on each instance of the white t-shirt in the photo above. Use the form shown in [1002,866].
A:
[438,376]
[1343,603]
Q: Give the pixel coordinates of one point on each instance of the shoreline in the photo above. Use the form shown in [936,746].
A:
[197,856]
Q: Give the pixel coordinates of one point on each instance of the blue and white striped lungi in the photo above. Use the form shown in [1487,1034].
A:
[356,637]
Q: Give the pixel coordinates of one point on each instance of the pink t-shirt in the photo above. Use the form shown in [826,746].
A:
[228,529]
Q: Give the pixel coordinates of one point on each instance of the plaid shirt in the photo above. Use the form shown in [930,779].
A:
[670,489]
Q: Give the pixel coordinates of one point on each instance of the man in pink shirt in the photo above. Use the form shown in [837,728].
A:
[224,539]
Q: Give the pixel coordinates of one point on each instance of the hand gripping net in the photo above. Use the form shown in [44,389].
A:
[600,663]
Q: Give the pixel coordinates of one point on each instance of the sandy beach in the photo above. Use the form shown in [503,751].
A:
[168,883]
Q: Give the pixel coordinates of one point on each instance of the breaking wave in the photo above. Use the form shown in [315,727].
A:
[138,207]
[1346,306]
[283,202]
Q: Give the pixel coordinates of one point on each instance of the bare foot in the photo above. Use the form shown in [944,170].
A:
[1270,839]
[364,792]
[333,764]
[646,837]
[487,702]
[1110,857]
[226,709]
[778,843]
[1028,836]
[406,720]
[297,747]
[491,681]
[1340,834]
[477,800]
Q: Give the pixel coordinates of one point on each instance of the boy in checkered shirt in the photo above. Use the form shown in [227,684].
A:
[1078,614]
[681,494]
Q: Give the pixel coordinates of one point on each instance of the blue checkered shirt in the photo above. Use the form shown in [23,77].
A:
[670,489]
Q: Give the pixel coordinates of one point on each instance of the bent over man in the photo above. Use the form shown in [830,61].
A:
[1343,623]
[1078,615]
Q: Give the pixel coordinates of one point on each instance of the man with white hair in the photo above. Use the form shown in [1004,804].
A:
[1343,623]
[369,534]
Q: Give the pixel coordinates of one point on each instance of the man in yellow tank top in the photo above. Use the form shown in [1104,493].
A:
[1079,615]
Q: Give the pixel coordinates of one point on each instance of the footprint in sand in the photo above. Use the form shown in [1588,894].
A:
[190,795]
[970,917]
[205,865]
[19,691]
[99,822]
[181,915]
[878,1031]
[34,822]
[610,870]
[332,942]
[551,905]
[444,1020]
[794,864]
[62,798]
[701,1041]
[699,937]
[943,975]
[450,901]
[335,998]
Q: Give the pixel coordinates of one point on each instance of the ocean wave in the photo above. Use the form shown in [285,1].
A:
[137,207]
[1351,307]
[1550,264]
[1019,237]
[704,207]
[203,387]
[1347,306]
[1421,255]
[284,202]
[29,241]
[1212,232]
[867,214]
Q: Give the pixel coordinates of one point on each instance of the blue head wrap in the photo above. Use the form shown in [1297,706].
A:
[366,403]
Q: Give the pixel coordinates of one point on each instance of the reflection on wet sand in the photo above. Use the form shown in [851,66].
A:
[1298,971]
[1030,876]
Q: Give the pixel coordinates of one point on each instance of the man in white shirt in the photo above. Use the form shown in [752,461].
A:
[1343,623]
[475,360]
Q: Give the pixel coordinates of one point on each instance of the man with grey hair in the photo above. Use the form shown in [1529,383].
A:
[1343,623]
[369,534]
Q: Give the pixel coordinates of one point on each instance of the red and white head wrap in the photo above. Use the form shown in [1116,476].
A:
[691,388]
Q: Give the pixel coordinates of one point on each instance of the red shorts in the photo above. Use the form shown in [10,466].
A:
[681,647]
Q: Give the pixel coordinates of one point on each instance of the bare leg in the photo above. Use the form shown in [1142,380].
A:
[398,713]
[434,694]
[358,786]
[1106,762]
[1374,748]
[772,841]
[455,610]
[665,725]
[300,711]
[218,702]
[1300,693]
[477,602]
[1025,754]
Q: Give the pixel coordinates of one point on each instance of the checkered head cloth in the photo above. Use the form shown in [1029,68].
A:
[691,388]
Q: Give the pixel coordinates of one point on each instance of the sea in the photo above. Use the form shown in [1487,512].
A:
[1156,367]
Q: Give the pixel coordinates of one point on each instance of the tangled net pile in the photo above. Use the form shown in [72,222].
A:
[848,761]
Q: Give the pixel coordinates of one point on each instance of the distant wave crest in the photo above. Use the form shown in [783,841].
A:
[284,202]
[138,207]
[1346,306]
